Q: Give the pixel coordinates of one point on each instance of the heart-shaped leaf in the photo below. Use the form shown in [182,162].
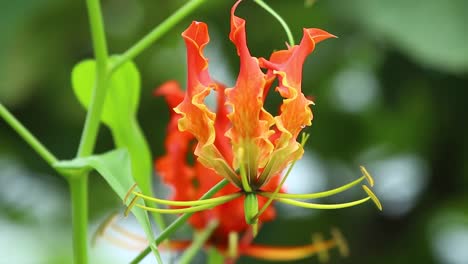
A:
[119,114]
[115,168]
[123,90]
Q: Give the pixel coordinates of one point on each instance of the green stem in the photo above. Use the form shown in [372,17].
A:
[79,199]
[279,18]
[79,184]
[88,138]
[27,136]
[178,222]
[156,33]
[198,243]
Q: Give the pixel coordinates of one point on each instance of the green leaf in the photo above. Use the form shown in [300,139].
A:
[116,169]
[124,90]
[120,115]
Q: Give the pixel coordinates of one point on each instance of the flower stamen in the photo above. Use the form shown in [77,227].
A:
[304,139]
[129,192]
[373,197]
[188,203]
[103,227]
[323,255]
[131,205]
[340,242]
[367,175]
[197,208]
[319,194]
[233,244]
[322,206]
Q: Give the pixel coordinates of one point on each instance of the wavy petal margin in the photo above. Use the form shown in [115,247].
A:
[250,121]
[295,112]
[196,117]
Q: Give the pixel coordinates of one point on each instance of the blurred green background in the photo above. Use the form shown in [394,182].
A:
[390,94]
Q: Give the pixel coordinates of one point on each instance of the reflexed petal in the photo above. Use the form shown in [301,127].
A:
[295,112]
[196,117]
[287,65]
[250,122]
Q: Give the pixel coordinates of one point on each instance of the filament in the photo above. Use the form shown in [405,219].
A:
[316,195]
[188,203]
[322,206]
[187,210]
[343,188]
[273,195]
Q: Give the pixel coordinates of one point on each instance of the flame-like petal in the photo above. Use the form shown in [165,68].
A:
[196,117]
[295,112]
[250,122]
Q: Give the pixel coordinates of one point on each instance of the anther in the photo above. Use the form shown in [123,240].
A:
[373,197]
[131,205]
[340,242]
[322,253]
[103,227]
[130,191]
[367,175]
[233,244]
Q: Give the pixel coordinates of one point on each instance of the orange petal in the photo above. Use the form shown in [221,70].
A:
[287,65]
[295,112]
[196,117]
[250,122]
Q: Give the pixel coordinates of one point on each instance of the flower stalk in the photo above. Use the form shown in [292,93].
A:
[279,18]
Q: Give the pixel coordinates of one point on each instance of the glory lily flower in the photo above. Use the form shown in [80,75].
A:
[190,182]
[241,141]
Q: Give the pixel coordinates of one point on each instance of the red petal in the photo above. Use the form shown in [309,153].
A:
[171,92]
[173,167]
